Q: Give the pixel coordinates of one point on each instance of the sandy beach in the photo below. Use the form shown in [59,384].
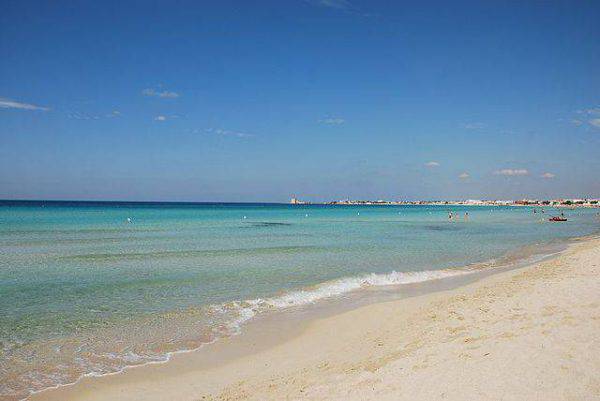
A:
[526,334]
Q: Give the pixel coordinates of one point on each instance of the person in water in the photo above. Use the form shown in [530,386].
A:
[466,216]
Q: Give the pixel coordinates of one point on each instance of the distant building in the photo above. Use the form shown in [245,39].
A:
[296,201]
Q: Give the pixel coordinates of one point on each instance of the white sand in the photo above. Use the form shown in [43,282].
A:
[526,334]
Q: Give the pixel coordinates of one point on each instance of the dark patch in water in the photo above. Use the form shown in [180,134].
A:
[191,253]
[443,227]
[265,224]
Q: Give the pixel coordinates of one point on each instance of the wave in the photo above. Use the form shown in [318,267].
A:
[346,285]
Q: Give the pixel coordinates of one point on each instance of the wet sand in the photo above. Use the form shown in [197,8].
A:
[523,334]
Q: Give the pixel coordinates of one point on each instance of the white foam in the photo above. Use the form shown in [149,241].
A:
[345,285]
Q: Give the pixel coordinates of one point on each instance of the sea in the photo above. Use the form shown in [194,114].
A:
[91,288]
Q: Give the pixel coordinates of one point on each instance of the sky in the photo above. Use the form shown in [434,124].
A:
[260,101]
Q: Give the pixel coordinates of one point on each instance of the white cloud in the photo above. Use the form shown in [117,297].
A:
[592,113]
[432,164]
[337,4]
[77,115]
[333,121]
[224,132]
[160,118]
[464,176]
[548,175]
[473,126]
[80,116]
[512,172]
[340,5]
[11,104]
[595,111]
[163,94]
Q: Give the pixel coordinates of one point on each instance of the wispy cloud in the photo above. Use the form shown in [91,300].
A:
[464,176]
[473,125]
[333,121]
[432,164]
[224,132]
[594,111]
[77,115]
[512,172]
[336,4]
[11,104]
[160,93]
[340,5]
[165,117]
[590,115]
[548,175]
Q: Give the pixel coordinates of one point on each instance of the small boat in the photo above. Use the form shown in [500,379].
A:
[557,218]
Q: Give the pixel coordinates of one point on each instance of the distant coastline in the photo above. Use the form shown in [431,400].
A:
[567,203]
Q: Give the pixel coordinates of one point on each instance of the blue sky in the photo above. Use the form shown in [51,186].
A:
[324,99]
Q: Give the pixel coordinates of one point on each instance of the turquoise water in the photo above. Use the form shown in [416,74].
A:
[88,288]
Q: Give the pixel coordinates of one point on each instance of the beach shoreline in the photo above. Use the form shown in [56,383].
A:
[271,359]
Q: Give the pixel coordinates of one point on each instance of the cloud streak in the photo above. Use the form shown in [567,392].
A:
[150,92]
[224,132]
[592,113]
[464,176]
[11,104]
[548,175]
[76,115]
[340,5]
[509,172]
[335,4]
[333,121]
[432,164]
[473,126]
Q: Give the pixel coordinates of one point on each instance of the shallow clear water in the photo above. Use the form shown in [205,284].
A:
[85,291]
